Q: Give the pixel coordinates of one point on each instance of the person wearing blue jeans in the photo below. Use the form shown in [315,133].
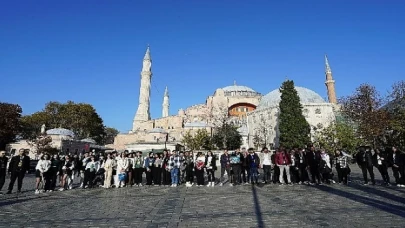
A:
[174,164]
[253,161]
[174,173]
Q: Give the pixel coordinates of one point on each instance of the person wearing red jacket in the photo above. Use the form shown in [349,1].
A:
[283,161]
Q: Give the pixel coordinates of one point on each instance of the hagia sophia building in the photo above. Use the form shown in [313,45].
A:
[255,115]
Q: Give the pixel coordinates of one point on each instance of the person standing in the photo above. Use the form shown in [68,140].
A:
[19,165]
[398,166]
[54,171]
[225,166]
[148,165]
[313,159]
[108,167]
[266,165]
[245,166]
[138,168]
[365,162]
[254,162]
[165,171]
[174,166]
[199,169]
[342,167]
[3,167]
[211,166]
[380,161]
[283,161]
[157,170]
[302,166]
[42,171]
[90,172]
[188,165]
[122,168]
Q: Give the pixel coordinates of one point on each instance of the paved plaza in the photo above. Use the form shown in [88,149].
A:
[241,206]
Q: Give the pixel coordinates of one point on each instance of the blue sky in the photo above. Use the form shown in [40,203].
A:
[91,51]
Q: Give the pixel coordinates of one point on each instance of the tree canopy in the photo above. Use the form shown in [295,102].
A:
[364,108]
[200,140]
[10,123]
[293,127]
[338,136]
[227,137]
[81,118]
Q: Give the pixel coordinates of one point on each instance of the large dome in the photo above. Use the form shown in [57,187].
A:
[237,88]
[306,96]
[60,131]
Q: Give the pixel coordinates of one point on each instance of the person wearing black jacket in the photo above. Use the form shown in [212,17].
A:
[302,166]
[3,166]
[225,166]
[380,161]
[397,161]
[55,170]
[313,159]
[210,166]
[19,165]
[253,161]
[365,161]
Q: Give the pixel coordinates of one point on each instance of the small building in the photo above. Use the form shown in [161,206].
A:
[64,140]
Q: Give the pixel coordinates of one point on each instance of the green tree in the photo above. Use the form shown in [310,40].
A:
[110,134]
[293,127]
[10,123]
[43,144]
[338,136]
[395,134]
[227,137]
[258,141]
[364,108]
[81,118]
[200,140]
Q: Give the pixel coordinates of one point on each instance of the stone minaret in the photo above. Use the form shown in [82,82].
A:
[165,111]
[143,111]
[330,83]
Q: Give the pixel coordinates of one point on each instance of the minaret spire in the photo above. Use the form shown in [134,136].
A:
[143,111]
[330,83]
[327,67]
[165,110]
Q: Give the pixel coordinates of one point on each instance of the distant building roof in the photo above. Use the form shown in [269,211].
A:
[60,131]
[157,130]
[196,124]
[89,140]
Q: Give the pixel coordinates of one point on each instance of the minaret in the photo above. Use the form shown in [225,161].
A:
[143,111]
[165,111]
[330,83]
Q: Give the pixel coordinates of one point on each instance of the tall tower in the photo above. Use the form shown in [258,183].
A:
[165,110]
[143,111]
[330,83]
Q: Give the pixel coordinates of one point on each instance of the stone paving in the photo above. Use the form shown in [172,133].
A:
[240,206]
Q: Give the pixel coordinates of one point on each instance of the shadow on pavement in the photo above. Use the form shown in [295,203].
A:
[258,210]
[378,204]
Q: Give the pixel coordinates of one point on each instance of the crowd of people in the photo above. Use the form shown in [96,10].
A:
[284,167]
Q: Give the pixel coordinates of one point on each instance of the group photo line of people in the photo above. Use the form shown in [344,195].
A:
[174,168]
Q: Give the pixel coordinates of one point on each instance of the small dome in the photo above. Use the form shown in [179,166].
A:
[273,98]
[89,140]
[60,131]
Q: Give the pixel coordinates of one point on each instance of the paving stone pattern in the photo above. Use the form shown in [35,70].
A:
[240,206]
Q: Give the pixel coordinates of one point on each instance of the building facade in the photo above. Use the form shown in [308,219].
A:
[252,112]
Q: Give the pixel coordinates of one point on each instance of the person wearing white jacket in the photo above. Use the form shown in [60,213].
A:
[41,173]
[122,168]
